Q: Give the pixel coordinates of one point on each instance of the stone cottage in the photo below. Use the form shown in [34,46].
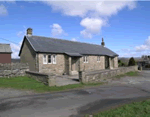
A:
[50,55]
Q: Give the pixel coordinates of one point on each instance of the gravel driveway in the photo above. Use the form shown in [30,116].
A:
[143,77]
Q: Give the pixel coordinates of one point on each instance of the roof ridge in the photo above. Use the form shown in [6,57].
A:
[66,40]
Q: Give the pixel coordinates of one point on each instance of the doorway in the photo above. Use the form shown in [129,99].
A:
[106,62]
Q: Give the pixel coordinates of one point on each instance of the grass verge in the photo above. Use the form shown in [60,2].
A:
[133,73]
[135,109]
[26,83]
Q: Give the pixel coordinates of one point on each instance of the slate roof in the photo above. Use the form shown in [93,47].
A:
[5,48]
[45,44]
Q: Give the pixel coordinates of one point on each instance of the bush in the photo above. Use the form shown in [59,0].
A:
[120,63]
[123,64]
[131,62]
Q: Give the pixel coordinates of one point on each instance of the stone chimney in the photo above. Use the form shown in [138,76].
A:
[103,43]
[29,31]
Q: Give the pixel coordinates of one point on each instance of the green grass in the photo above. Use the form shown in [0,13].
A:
[26,83]
[135,109]
[135,73]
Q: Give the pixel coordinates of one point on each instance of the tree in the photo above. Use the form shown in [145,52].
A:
[131,62]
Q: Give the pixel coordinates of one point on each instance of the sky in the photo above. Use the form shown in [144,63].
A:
[124,25]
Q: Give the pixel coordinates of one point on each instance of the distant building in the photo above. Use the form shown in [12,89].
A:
[5,53]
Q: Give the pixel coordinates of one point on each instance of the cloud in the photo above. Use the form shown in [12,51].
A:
[15,49]
[91,12]
[136,51]
[92,26]
[3,10]
[57,30]
[144,47]
[73,39]
[9,1]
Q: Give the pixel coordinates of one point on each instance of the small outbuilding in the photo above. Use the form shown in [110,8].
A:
[5,53]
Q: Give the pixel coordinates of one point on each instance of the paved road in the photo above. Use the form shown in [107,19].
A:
[77,103]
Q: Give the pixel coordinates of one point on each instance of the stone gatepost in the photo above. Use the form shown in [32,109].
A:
[82,77]
[51,80]
[70,66]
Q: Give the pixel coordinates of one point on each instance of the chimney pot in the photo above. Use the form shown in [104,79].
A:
[103,43]
[29,31]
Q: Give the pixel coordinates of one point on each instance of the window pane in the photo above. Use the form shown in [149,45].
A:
[84,59]
[54,58]
[49,58]
[44,57]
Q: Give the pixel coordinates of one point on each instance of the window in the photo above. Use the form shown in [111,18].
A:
[49,59]
[98,58]
[44,59]
[85,59]
[54,59]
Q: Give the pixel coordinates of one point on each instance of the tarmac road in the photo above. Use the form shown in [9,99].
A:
[77,103]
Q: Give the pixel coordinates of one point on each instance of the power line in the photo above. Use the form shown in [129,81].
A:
[9,41]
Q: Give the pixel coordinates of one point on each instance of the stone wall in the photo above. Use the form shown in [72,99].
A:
[46,79]
[99,76]
[58,68]
[13,69]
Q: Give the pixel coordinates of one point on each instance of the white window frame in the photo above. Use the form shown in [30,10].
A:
[53,58]
[48,59]
[44,58]
[85,59]
[98,58]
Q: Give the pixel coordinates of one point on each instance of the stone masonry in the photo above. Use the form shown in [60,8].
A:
[65,64]
[92,64]
[13,69]
[57,68]
[99,76]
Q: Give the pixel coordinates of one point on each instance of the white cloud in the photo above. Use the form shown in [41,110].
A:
[57,30]
[92,26]
[86,34]
[91,12]
[3,10]
[9,1]
[136,51]
[145,46]
[73,39]
[15,49]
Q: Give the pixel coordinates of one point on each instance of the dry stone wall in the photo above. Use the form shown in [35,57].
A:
[98,76]
[13,69]
[47,79]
